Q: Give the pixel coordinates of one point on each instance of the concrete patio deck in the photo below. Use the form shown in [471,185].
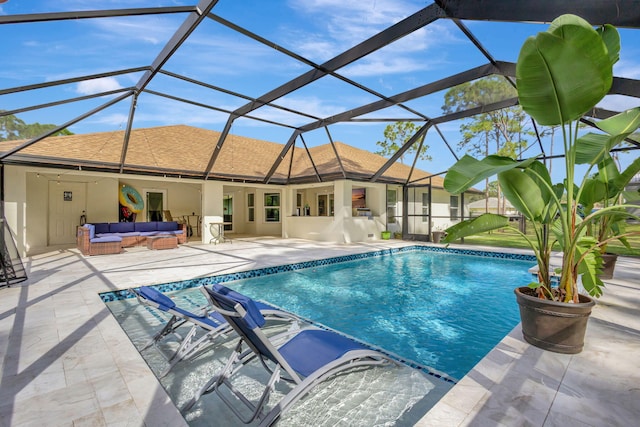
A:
[67,362]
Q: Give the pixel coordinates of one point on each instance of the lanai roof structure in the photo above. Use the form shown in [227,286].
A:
[297,87]
[182,150]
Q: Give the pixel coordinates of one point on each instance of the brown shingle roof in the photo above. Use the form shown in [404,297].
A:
[187,150]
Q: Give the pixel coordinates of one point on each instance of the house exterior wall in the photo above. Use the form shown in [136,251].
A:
[183,196]
[27,210]
[342,227]
[102,199]
[441,212]
[262,227]
[213,194]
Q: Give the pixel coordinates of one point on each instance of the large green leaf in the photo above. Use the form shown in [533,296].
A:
[592,147]
[593,191]
[558,231]
[607,169]
[540,174]
[564,21]
[562,74]
[469,171]
[590,266]
[631,196]
[623,179]
[481,224]
[524,193]
[611,39]
[608,174]
[623,123]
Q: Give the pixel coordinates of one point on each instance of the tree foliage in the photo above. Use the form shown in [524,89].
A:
[13,128]
[398,134]
[501,132]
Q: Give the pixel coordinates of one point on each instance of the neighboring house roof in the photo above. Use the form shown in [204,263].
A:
[187,151]
[492,203]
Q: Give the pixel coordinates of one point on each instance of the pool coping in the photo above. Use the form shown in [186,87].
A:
[249,274]
[117,295]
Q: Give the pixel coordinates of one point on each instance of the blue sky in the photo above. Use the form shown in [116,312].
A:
[316,29]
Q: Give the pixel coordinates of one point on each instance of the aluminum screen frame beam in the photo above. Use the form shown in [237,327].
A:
[66,125]
[65,101]
[91,14]
[416,136]
[407,26]
[596,12]
[71,80]
[304,60]
[179,37]
[232,93]
[447,82]
[427,89]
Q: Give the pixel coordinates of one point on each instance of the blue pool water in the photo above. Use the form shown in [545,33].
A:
[443,310]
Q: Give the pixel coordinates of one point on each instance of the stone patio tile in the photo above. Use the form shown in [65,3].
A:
[78,368]
[56,408]
[153,403]
[36,380]
[110,389]
[122,414]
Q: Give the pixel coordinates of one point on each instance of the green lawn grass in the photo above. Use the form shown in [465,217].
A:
[509,239]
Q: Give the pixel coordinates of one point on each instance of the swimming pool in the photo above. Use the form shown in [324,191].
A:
[440,307]
[442,310]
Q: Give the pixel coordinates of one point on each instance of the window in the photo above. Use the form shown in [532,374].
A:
[251,207]
[425,207]
[322,205]
[325,204]
[272,207]
[392,199]
[299,204]
[454,208]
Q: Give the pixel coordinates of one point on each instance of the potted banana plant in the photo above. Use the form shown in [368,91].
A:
[561,74]
[609,186]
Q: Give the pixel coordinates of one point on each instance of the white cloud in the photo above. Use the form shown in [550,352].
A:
[90,87]
[341,25]
[385,64]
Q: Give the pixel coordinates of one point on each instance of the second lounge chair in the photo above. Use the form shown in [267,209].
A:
[212,322]
[308,357]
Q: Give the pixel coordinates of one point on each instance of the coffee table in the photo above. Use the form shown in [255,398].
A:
[162,242]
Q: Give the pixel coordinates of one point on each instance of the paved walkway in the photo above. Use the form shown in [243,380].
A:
[66,361]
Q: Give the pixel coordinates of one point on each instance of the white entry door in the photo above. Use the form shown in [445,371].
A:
[67,200]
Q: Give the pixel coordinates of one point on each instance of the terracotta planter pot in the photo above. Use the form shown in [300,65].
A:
[608,266]
[553,326]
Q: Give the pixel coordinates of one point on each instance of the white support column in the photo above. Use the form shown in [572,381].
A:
[288,208]
[342,206]
[212,196]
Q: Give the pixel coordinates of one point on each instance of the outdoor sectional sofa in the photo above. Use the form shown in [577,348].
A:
[109,238]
